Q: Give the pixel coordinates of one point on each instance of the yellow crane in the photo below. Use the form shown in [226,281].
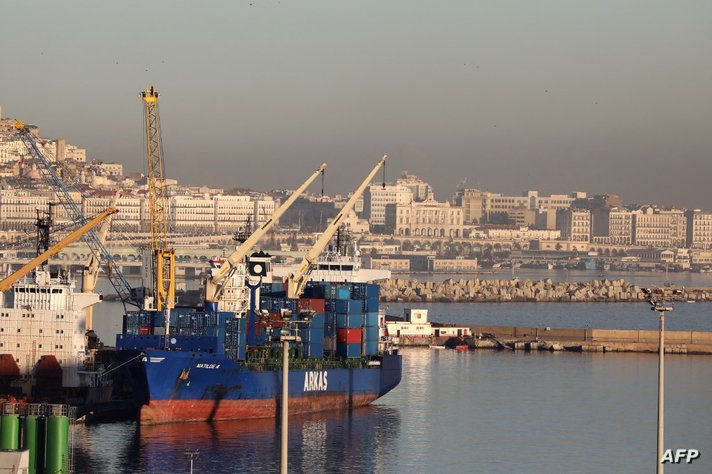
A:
[162,257]
[7,283]
[216,281]
[298,280]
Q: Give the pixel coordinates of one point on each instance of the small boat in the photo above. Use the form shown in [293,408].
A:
[436,347]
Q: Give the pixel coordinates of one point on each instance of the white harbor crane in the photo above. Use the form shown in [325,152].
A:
[219,277]
[90,274]
[298,280]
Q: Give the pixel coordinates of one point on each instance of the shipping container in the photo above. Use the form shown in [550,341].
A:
[349,321]
[348,350]
[306,304]
[314,350]
[371,305]
[349,306]
[371,348]
[343,292]
[349,336]
[370,333]
[370,319]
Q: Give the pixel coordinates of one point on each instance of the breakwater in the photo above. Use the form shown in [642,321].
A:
[516,290]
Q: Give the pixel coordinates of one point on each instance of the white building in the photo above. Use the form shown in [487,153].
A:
[377,198]
[660,228]
[424,219]
[699,229]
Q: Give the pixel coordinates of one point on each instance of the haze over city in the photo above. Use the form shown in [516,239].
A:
[603,97]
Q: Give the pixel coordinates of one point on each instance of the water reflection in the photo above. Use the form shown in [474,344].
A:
[360,441]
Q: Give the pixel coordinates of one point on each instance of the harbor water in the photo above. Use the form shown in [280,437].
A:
[455,411]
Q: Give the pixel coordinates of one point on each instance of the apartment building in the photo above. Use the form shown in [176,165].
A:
[574,224]
[699,229]
[660,228]
[424,219]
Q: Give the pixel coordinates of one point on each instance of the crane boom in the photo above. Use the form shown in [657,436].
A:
[297,281]
[55,249]
[116,278]
[90,274]
[216,282]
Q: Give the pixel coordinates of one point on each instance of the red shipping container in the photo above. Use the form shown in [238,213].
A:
[349,336]
[144,330]
[305,304]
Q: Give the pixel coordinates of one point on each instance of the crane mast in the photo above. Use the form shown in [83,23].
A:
[298,280]
[162,257]
[215,283]
[116,278]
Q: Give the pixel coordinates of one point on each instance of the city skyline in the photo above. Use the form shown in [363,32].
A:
[604,98]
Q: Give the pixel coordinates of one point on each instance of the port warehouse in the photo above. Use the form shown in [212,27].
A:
[344,321]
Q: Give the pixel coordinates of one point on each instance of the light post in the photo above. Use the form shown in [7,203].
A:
[656,298]
[289,333]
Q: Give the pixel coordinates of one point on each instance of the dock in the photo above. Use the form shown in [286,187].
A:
[576,340]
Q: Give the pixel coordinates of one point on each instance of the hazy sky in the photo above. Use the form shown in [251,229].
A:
[605,96]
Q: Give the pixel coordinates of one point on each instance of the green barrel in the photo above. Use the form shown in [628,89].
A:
[33,440]
[57,451]
[10,432]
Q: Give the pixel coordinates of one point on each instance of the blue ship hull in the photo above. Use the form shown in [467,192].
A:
[195,386]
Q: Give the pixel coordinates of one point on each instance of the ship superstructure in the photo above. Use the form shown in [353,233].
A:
[42,330]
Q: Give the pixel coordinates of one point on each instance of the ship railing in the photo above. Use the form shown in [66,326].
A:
[39,409]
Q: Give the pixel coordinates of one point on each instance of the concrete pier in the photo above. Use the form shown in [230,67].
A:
[578,340]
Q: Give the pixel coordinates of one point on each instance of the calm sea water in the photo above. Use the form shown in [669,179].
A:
[462,411]
[453,412]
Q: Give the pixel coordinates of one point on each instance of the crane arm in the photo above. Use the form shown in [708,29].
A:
[91,272]
[297,281]
[116,278]
[55,249]
[216,282]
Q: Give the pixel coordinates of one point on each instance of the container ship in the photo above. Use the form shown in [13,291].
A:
[216,366]
[226,362]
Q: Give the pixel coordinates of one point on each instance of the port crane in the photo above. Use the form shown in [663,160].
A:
[219,277]
[7,283]
[90,274]
[298,280]
[111,270]
[162,256]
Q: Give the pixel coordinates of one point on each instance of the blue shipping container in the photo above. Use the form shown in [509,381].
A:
[343,292]
[348,350]
[314,350]
[370,319]
[349,321]
[371,305]
[349,306]
[370,333]
[372,291]
[371,347]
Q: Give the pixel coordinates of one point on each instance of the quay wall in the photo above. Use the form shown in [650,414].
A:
[516,290]
[579,340]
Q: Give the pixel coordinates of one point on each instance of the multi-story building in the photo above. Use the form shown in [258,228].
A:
[191,214]
[574,224]
[482,206]
[233,212]
[699,229]
[377,197]
[128,219]
[660,228]
[612,226]
[420,190]
[424,219]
